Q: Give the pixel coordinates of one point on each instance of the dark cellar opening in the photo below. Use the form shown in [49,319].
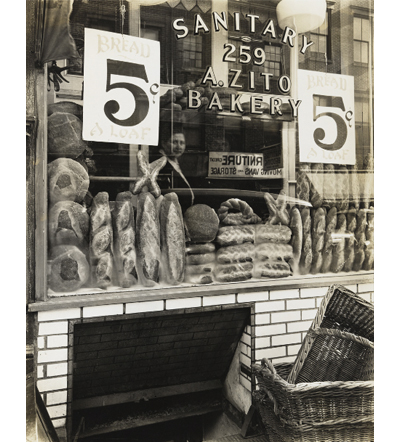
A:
[157,377]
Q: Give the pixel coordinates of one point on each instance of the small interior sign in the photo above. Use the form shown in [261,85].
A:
[121,93]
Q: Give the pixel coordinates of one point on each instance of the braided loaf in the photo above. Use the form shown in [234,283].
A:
[244,214]
[233,272]
[237,253]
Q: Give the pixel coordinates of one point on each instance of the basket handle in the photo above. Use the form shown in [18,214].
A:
[342,334]
[267,364]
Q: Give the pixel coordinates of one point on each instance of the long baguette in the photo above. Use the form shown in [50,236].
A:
[124,240]
[369,236]
[306,253]
[148,240]
[172,240]
[359,234]
[318,234]
[327,251]
[350,241]
[296,240]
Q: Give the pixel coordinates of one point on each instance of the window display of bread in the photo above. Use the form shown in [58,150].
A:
[329,185]
[101,241]
[318,237]
[68,224]
[233,272]
[273,251]
[64,135]
[235,212]
[68,107]
[200,258]
[232,235]
[148,239]
[69,269]
[272,233]
[354,187]
[123,218]
[206,247]
[148,181]
[296,241]
[350,240]
[359,234]
[201,223]
[272,268]
[306,252]
[199,278]
[338,257]
[197,269]
[369,243]
[303,183]
[342,183]
[237,253]
[368,189]
[316,184]
[278,213]
[327,251]
[67,180]
[172,240]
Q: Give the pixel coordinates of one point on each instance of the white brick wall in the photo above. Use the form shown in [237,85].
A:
[280,322]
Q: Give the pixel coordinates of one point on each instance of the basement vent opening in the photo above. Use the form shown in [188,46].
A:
[158,378]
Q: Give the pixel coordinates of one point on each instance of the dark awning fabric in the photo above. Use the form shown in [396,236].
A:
[57,42]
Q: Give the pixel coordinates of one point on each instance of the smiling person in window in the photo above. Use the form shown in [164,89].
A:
[172,141]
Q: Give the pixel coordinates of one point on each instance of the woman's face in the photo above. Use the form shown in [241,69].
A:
[175,146]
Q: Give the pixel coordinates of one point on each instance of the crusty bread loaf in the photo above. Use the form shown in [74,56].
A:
[303,183]
[231,235]
[172,240]
[206,247]
[271,268]
[124,240]
[296,240]
[67,180]
[197,269]
[237,253]
[350,241]
[68,224]
[199,278]
[65,135]
[369,243]
[306,253]
[318,237]
[273,251]
[277,210]
[148,240]
[359,234]
[327,251]
[200,258]
[69,269]
[201,223]
[233,272]
[272,233]
[235,212]
[101,241]
[338,258]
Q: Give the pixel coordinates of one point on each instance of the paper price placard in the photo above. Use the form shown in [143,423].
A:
[121,94]
[326,118]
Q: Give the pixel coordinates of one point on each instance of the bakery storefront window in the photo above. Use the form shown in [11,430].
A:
[247,182]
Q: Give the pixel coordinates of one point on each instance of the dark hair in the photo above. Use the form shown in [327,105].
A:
[167,130]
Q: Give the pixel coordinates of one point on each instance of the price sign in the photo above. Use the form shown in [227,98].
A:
[326,118]
[121,93]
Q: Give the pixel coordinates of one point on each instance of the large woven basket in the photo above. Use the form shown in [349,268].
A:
[339,344]
[315,412]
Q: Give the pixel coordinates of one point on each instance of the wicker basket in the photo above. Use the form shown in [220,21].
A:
[339,344]
[316,412]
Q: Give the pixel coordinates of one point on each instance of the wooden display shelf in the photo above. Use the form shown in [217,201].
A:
[117,295]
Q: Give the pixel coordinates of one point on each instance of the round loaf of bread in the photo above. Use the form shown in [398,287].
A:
[67,107]
[69,269]
[201,223]
[64,135]
[68,224]
[67,180]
